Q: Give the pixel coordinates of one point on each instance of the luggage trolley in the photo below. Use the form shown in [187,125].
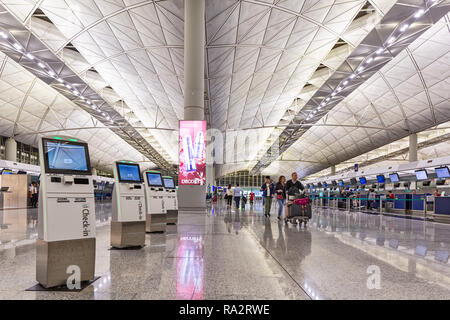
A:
[300,210]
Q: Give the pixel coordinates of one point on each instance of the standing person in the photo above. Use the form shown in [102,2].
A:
[33,195]
[251,197]
[293,187]
[237,195]
[371,199]
[436,193]
[280,191]
[268,190]
[229,196]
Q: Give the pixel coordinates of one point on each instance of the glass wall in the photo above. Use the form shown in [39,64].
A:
[241,177]
[25,153]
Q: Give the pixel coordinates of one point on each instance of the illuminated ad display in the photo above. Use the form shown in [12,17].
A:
[192,152]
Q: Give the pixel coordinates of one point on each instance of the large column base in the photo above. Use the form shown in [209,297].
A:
[172,216]
[53,258]
[155,222]
[127,234]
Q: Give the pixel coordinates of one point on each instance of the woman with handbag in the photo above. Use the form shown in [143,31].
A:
[280,191]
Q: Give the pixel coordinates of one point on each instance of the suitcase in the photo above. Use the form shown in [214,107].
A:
[299,213]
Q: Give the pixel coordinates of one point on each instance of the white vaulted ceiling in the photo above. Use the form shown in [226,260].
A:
[28,105]
[410,93]
[265,60]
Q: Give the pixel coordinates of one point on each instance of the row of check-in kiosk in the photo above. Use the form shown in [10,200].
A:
[66,214]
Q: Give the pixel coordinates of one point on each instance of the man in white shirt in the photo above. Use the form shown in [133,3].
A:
[33,195]
[237,195]
[268,190]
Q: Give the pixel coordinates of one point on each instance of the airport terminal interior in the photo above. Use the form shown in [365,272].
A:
[224,149]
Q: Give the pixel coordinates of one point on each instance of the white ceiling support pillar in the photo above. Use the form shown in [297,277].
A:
[194,59]
[192,198]
[413,147]
[11,150]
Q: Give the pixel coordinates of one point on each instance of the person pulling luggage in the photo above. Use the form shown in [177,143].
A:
[268,190]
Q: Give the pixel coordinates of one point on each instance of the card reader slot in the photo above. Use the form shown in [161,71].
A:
[80,181]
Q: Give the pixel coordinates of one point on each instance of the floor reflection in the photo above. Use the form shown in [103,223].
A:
[190,267]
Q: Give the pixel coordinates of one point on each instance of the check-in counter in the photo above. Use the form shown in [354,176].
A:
[441,209]
[402,203]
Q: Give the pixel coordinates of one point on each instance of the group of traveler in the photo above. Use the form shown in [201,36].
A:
[283,191]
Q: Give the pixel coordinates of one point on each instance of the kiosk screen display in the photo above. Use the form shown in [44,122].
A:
[66,157]
[128,172]
[380,178]
[168,183]
[442,172]
[154,179]
[394,177]
[421,175]
[362,180]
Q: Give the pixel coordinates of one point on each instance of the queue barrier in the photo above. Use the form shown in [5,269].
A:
[417,203]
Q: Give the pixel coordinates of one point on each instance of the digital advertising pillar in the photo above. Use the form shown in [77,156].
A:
[66,212]
[156,218]
[128,206]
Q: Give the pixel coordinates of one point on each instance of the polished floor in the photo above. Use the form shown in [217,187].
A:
[230,254]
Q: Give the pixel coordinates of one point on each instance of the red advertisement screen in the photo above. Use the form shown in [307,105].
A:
[192,152]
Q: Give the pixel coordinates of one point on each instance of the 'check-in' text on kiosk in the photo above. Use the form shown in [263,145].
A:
[66,214]
[170,200]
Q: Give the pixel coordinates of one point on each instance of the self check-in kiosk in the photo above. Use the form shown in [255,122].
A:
[156,218]
[170,200]
[66,214]
[128,206]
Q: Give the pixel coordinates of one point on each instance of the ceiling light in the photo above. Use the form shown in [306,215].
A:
[75,92]
[352,76]
[41,65]
[327,99]
[333,94]
[68,86]
[369,60]
[379,51]
[30,56]
[360,69]
[3,35]
[404,27]
[345,82]
[51,73]
[391,39]
[88,102]
[419,13]
[59,80]
[18,46]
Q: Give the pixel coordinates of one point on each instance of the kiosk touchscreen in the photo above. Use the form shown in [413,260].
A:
[156,218]
[66,214]
[170,200]
[128,201]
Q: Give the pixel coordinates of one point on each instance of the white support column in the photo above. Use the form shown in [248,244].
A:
[194,59]
[413,147]
[11,150]
[333,170]
[94,171]
[193,198]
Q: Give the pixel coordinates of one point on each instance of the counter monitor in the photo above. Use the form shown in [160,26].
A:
[442,172]
[380,178]
[362,180]
[421,174]
[394,177]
